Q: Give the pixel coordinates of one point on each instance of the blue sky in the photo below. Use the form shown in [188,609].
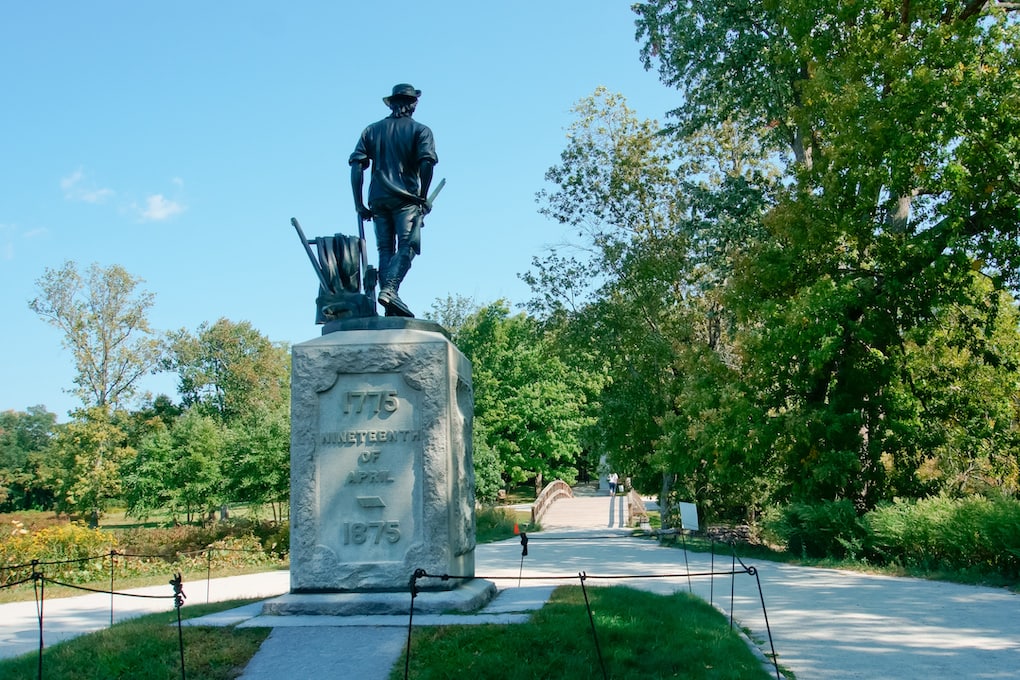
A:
[178,139]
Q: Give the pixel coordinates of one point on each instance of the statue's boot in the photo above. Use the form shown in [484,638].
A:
[393,305]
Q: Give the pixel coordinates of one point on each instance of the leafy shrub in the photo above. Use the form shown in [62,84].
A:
[495,523]
[77,551]
[140,552]
[827,529]
[171,541]
[966,534]
[276,539]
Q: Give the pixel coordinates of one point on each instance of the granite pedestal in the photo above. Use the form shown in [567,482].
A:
[382,482]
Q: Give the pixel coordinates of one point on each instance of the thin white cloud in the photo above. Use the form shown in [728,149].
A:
[77,187]
[68,183]
[10,234]
[158,208]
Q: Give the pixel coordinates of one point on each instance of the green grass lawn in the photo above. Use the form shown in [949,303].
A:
[641,635]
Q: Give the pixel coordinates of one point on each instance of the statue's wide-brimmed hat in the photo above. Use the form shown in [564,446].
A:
[402,90]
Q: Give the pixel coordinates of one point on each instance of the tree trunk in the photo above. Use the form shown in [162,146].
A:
[667,485]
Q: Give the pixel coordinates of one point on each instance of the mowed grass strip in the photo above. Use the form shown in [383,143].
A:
[641,635]
[146,647]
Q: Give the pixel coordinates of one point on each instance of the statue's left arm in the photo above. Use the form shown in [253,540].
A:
[425,169]
[357,187]
[427,159]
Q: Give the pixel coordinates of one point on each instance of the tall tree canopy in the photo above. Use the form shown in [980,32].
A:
[25,459]
[233,374]
[230,370]
[180,469]
[529,407]
[104,318]
[902,148]
[801,288]
[637,300]
[92,449]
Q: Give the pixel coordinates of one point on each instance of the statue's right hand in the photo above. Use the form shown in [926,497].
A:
[364,213]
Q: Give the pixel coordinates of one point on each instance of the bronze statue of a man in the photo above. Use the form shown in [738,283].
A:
[402,154]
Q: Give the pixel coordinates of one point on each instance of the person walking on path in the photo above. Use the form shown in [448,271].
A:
[613,481]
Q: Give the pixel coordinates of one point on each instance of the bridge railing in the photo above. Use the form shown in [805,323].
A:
[636,513]
[552,492]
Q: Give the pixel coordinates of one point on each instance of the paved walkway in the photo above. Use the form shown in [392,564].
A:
[826,624]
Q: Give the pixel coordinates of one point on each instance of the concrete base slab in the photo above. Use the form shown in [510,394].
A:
[467,597]
[366,621]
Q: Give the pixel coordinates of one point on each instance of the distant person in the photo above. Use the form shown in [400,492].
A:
[613,479]
[401,153]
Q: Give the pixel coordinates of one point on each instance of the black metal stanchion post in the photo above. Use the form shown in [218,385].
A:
[40,597]
[591,619]
[733,580]
[113,553]
[711,581]
[524,553]
[768,628]
[418,573]
[178,585]
[208,572]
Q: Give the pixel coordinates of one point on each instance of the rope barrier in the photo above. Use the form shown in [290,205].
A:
[39,580]
[48,563]
[604,577]
[89,558]
[608,537]
[18,583]
[107,592]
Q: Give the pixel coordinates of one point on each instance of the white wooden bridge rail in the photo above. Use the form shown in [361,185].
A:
[552,492]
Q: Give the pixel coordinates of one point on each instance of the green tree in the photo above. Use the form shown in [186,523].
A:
[901,163]
[962,403]
[659,221]
[528,408]
[104,318]
[234,374]
[257,463]
[230,370]
[26,459]
[179,469]
[92,450]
